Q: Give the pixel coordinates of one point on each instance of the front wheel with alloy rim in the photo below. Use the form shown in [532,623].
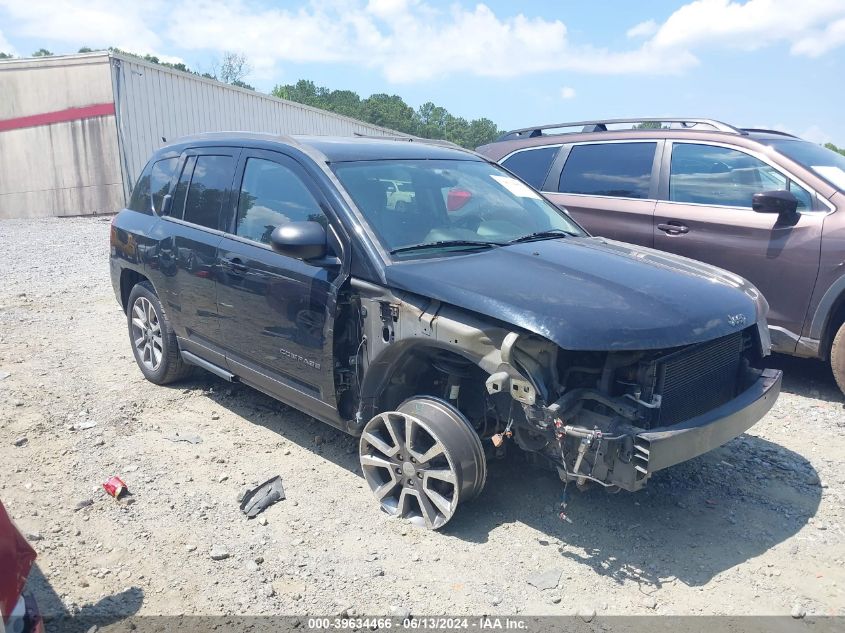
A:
[422,460]
[153,340]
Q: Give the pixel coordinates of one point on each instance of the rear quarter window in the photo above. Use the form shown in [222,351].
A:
[153,185]
[621,170]
[532,165]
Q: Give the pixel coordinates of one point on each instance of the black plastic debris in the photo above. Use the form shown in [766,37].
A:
[259,499]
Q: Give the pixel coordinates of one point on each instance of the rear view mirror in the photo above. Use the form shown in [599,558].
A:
[302,240]
[782,202]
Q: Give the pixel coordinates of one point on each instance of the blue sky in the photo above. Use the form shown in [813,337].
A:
[772,63]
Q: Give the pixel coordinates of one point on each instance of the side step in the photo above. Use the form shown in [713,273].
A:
[225,374]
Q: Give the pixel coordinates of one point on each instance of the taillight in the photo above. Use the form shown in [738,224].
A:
[457,198]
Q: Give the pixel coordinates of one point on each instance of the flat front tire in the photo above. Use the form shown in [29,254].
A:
[837,357]
[152,338]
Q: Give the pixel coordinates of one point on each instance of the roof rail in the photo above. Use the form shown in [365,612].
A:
[601,126]
[765,131]
[409,139]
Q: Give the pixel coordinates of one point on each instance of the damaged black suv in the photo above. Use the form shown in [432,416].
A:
[424,299]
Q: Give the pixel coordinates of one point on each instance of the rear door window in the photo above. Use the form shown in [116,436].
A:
[721,176]
[620,170]
[532,165]
[208,191]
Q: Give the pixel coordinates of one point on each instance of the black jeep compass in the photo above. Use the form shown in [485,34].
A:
[422,298]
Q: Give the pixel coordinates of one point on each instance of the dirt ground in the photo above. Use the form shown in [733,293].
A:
[754,527]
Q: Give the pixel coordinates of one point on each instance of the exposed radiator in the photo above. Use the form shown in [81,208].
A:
[697,379]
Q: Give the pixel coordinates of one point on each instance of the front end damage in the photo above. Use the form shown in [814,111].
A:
[598,417]
[615,418]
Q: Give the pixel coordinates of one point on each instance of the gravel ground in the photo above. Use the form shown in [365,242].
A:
[753,527]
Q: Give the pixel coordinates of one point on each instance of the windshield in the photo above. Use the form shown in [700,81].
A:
[448,204]
[826,163]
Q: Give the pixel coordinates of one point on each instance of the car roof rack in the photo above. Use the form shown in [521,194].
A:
[760,130]
[601,126]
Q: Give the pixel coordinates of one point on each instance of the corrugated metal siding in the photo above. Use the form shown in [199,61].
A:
[68,168]
[64,168]
[89,165]
[154,102]
[48,84]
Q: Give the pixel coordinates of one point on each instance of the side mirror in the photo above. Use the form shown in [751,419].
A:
[302,240]
[782,202]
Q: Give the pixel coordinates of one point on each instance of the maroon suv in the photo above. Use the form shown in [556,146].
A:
[764,204]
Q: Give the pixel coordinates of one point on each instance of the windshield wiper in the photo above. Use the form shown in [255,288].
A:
[543,235]
[442,243]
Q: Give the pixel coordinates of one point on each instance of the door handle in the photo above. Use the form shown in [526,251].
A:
[235,264]
[673,228]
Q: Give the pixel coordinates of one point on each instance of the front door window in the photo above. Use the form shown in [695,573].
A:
[708,174]
[272,195]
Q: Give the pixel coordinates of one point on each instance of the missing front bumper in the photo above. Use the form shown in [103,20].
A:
[663,447]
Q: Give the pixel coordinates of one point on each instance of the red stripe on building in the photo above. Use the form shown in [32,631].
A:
[60,116]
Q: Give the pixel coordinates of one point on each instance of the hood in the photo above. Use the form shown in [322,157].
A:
[589,293]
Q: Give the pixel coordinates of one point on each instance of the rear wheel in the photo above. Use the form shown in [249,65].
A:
[153,340]
[422,460]
[837,357]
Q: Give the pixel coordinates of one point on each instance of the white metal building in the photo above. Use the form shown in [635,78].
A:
[76,130]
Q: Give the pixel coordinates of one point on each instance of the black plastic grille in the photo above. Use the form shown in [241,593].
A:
[697,379]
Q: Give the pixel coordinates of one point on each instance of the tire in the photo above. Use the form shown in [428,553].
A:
[152,338]
[837,357]
[422,460]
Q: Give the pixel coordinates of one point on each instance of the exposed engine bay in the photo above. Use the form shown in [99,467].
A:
[583,413]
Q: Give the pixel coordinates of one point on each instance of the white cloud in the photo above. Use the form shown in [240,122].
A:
[94,23]
[407,40]
[413,40]
[643,29]
[820,42]
[386,9]
[567,92]
[745,25]
[6,45]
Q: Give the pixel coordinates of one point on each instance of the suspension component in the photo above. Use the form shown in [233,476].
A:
[583,446]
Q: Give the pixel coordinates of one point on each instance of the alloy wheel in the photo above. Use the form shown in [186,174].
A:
[422,460]
[146,333]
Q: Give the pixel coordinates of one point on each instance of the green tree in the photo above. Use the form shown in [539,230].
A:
[85,49]
[650,125]
[42,52]
[6,56]
[303,91]
[344,102]
[391,111]
[480,132]
[152,59]
[432,120]
[233,69]
[833,147]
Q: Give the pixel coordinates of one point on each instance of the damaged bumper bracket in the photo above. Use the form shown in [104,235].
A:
[663,447]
